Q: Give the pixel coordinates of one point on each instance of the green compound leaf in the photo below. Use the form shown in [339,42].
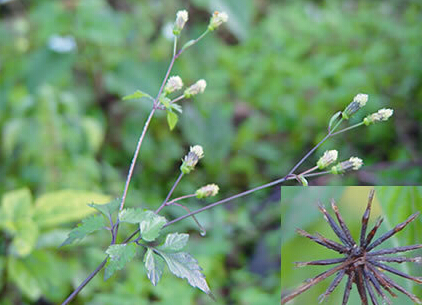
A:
[154,265]
[137,94]
[172,119]
[175,242]
[107,209]
[132,215]
[88,225]
[151,226]
[183,265]
[119,256]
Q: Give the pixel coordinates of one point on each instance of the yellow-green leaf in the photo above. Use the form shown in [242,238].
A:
[65,206]
[172,119]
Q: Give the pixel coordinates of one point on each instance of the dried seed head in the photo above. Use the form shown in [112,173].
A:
[353,163]
[198,87]
[191,159]
[217,19]
[358,102]
[174,83]
[381,115]
[179,24]
[327,158]
[207,191]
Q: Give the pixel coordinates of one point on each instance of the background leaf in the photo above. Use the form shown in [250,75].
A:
[64,206]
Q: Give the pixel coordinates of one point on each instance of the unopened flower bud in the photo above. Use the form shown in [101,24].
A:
[358,102]
[191,159]
[381,115]
[207,191]
[217,19]
[181,18]
[353,163]
[174,83]
[327,158]
[198,87]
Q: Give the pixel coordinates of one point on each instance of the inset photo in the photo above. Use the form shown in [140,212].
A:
[351,245]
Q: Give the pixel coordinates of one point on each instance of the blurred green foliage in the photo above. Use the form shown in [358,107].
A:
[299,210]
[275,74]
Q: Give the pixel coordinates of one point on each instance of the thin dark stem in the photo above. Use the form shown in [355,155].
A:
[84,283]
[393,231]
[395,271]
[170,193]
[373,231]
[322,262]
[308,154]
[348,288]
[365,218]
[201,228]
[347,128]
[395,250]
[334,226]
[342,223]
[210,206]
[313,282]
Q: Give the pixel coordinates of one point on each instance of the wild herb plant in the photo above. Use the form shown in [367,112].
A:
[158,250]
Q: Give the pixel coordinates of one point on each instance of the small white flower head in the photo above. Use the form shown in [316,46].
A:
[327,158]
[207,191]
[354,163]
[358,102]
[179,24]
[174,83]
[381,115]
[191,159]
[198,87]
[217,19]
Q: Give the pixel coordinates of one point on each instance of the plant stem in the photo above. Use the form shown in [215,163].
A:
[154,108]
[83,284]
[207,207]
[329,134]
[170,193]
[135,157]
[347,128]
[193,42]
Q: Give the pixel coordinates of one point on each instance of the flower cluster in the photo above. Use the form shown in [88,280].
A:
[191,159]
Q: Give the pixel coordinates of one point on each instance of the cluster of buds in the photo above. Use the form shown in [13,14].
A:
[353,163]
[207,191]
[196,88]
[381,115]
[217,19]
[330,156]
[179,24]
[174,83]
[358,102]
[191,159]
